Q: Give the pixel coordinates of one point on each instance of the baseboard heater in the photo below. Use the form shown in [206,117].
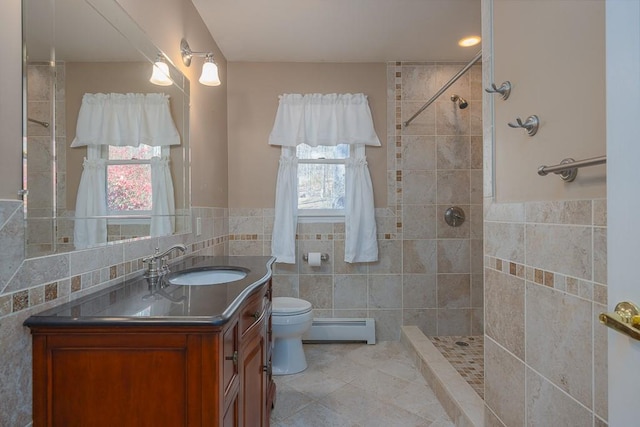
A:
[339,329]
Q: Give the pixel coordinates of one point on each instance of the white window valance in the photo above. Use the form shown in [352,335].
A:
[121,119]
[323,119]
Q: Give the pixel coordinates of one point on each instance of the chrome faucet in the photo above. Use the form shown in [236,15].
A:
[157,263]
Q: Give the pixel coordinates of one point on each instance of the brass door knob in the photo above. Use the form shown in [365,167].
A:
[625,319]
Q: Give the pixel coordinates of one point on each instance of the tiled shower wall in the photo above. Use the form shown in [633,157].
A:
[46,84]
[28,286]
[429,274]
[545,283]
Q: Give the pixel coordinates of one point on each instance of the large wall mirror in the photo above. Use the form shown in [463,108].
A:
[90,56]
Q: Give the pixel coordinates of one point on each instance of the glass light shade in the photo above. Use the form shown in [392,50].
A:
[209,76]
[160,75]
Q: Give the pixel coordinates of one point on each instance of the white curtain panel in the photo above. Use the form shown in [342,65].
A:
[332,119]
[283,241]
[163,204]
[91,201]
[360,242]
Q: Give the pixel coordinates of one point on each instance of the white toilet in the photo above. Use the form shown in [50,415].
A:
[291,318]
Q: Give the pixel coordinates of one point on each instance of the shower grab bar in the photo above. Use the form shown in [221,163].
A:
[41,123]
[445,87]
[568,168]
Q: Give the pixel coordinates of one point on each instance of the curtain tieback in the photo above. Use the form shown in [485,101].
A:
[356,162]
[93,163]
[288,161]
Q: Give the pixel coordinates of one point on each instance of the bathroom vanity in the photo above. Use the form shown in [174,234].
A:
[163,355]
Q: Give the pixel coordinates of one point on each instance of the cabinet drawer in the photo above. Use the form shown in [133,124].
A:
[254,309]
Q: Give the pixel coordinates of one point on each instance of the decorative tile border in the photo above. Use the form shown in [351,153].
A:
[62,289]
[591,291]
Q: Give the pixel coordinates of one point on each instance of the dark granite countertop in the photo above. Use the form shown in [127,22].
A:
[135,302]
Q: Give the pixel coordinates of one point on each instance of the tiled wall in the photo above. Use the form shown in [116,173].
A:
[46,84]
[428,274]
[32,285]
[545,283]
[545,272]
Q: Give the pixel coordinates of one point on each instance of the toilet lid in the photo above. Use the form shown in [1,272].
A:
[286,306]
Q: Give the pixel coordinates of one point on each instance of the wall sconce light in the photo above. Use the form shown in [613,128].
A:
[160,75]
[209,76]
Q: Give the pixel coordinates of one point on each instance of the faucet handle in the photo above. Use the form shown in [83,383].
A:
[151,258]
[163,265]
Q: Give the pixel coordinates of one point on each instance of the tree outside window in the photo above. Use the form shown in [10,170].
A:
[129,179]
[321,179]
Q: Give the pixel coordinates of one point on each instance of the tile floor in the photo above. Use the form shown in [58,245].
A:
[357,385]
[467,360]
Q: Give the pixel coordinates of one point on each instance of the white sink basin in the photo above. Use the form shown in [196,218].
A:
[206,276]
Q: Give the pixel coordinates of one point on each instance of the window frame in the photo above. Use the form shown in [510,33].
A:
[310,215]
[128,217]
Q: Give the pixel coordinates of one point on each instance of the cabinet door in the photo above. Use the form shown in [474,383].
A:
[253,377]
[231,416]
[230,361]
[271,385]
[107,378]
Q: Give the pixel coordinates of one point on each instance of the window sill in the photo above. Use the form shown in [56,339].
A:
[309,219]
[129,220]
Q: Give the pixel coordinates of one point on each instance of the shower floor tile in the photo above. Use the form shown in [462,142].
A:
[357,385]
[468,359]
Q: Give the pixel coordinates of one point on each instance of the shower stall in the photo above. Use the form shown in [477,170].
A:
[435,155]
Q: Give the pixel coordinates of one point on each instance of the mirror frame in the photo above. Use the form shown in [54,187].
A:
[116,17]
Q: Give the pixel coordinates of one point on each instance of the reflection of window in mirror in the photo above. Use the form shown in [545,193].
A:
[125,181]
[129,189]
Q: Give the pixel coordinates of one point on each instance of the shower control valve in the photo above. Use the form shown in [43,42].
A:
[454,216]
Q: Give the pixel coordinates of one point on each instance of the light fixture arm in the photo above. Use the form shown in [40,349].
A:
[187,53]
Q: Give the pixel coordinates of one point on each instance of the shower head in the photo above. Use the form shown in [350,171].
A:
[462,103]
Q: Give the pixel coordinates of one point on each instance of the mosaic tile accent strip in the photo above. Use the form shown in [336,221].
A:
[21,300]
[585,289]
[468,359]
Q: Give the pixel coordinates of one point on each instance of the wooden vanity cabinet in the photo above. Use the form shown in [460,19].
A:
[156,375]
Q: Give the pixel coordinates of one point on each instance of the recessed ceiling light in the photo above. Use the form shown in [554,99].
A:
[469,41]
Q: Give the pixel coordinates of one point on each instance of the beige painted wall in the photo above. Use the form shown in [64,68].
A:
[253,102]
[167,22]
[553,53]
[11,100]
[118,77]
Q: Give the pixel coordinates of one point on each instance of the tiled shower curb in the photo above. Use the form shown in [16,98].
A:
[458,398]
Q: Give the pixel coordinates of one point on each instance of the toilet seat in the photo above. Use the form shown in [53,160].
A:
[287,306]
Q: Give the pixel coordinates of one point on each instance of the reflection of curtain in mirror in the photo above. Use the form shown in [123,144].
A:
[91,201]
[122,120]
[163,204]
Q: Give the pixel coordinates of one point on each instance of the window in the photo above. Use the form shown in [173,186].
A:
[129,179]
[321,180]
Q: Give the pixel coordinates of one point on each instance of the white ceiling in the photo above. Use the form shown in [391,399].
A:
[341,30]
